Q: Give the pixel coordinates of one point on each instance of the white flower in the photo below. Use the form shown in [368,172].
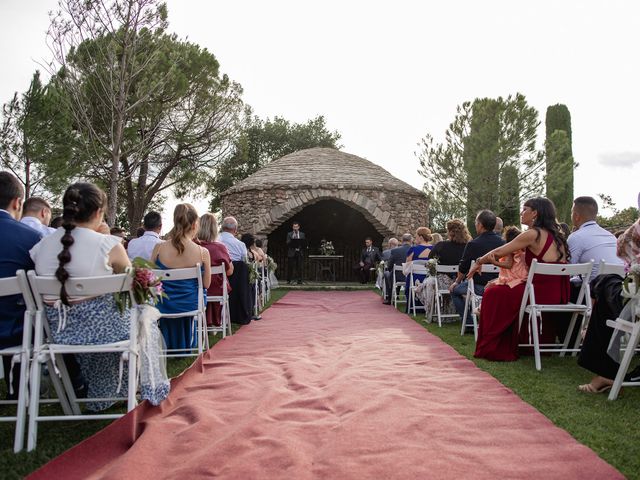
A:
[635,269]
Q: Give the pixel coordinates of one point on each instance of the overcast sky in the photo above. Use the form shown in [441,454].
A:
[384,74]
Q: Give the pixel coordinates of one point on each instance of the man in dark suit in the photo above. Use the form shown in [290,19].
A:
[486,241]
[17,240]
[368,259]
[397,256]
[296,244]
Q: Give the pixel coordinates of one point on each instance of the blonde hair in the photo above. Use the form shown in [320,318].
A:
[208,231]
[437,238]
[457,231]
[184,217]
[425,233]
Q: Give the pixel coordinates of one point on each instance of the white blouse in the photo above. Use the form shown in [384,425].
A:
[89,253]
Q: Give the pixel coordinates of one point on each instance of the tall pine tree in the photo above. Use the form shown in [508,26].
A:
[559,160]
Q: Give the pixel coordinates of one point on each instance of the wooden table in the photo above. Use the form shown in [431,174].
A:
[325,265]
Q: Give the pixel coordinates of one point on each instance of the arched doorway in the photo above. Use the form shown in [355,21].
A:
[331,220]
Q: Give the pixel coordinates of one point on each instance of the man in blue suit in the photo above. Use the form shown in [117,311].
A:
[17,240]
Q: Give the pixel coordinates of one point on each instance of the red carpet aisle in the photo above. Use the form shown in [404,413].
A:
[333,386]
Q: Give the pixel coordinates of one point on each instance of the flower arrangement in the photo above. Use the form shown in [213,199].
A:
[631,284]
[146,287]
[272,266]
[326,248]
[431,265]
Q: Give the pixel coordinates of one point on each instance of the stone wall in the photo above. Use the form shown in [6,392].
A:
[260,211]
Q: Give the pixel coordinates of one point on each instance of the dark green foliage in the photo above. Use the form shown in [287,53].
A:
[509,196]
[37,141]
[559,177]
[559,160]
[262,141]
[463,174]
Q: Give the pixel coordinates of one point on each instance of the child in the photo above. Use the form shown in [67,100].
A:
[513,269]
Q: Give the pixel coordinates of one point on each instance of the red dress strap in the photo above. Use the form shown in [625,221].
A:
[547,244]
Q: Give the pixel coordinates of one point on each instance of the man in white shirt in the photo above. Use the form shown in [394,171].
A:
[240,307]
[590,241]
[36,213]
[237,249]
[143,246]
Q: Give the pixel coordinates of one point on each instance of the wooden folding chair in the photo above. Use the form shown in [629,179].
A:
[222,299]
[45,349]
[535,310]
[199,328]
[472,301]
[440,291]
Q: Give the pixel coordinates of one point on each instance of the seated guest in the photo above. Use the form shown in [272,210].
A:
[590,241]
[397,256]
[486,241]
[143,245]
[419,251]
[17,240]
[207,235]
[78,250]
[239,300]
[180,251]
[499,226]
[369,258]
[449,252]
[391,244]
[498,335]
[513,269]
[36,213]
[56,222]
[608,303]
[250,242]
[120,233]
[257,252]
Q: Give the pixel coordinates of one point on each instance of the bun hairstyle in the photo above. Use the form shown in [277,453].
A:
[184,217]
[80,202]
[546,220]
[425,233]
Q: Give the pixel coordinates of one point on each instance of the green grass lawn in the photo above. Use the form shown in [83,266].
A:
[594,421]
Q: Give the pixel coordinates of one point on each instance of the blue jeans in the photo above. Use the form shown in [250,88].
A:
[459,293]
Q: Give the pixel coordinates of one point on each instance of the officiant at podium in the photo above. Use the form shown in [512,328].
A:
[296,244]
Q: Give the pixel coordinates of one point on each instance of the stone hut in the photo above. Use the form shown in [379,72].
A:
[334,196]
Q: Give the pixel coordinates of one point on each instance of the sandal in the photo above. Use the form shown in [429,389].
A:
[589,388]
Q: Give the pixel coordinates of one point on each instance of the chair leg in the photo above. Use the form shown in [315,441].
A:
[34,404]
[438,307]
[68,386]
[624,365]
[464,315]
[133,381]
[533,324]
[21,411]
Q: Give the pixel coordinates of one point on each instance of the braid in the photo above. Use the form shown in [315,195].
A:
[71,209]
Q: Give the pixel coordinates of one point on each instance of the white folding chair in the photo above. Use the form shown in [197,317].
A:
[535,310]
[605,268]
[45,349]
[222,299]
[417,267]
[199,325]
[633,330]
[398,287]
[472,301]
[256,288]
[264,276]
[439,292]
[19,354]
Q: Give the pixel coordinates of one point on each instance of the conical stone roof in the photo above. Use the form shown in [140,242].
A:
[322,168]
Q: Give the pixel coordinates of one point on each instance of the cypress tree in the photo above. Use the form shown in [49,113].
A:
[559,160]
[509,196]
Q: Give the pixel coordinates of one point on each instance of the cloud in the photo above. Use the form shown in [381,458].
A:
[622,159]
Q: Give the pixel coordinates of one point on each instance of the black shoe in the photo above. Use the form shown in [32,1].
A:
[633,375]
[299,282]
[386,302]
[289,282]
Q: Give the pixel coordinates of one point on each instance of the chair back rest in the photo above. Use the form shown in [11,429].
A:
[221,270]
[418,269]
[610,268]
[187,273]
[9,286]
[489,268]
[560,269]
[78,287]
[18,285]
[446,268]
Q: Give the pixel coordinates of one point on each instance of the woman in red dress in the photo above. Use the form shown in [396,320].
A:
[498,334]
[207,235]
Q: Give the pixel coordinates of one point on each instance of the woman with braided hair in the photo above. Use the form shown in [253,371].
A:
[79,250]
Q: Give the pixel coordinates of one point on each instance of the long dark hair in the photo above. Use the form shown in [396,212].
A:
[80,203]
[546,220]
